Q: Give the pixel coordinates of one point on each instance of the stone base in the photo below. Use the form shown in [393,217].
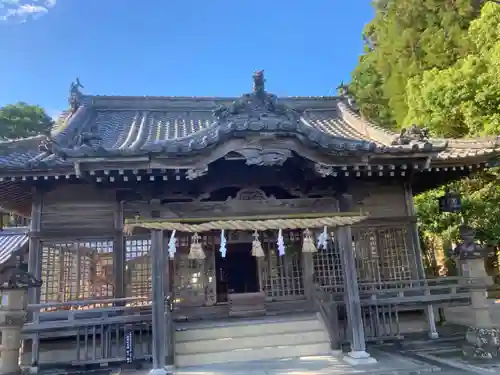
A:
[161,371]
[482,343]
[358,358]
[433,335]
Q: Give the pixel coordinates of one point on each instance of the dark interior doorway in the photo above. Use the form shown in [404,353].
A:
[237,272]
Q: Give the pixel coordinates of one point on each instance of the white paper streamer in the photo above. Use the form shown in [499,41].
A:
[323,239]
[172,245]
[281,243]
[222,248]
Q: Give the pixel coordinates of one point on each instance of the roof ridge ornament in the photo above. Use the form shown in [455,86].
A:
[259,82]
[344,93]
[410,135]
[259,106]
[75,95]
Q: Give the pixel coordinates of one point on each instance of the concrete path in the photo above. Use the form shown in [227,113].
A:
[322,365]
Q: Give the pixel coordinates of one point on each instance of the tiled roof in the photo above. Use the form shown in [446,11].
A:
[11,240]
[114,126]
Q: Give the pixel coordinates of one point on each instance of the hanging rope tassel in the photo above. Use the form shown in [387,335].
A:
[196,250]
[281,243]
[172,245]
[257,250]
[222,248]
[308,243]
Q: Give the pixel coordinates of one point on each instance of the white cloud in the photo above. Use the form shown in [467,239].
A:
[23,10]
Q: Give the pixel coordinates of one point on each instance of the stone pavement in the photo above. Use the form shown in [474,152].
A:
[447,352]
[389,363]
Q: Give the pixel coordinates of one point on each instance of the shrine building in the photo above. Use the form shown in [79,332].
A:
[154,213]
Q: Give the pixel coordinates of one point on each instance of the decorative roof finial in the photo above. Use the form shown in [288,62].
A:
[259,82]
[75,95]
[343,90]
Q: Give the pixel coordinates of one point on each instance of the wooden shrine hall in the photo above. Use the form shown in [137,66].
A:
[149,213]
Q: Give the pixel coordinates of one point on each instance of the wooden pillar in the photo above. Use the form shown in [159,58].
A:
[35,267]
[35,245]
[119,253]
[417,252]
[358,354]
[158,303]
[308,274]
[343,239]
[169,323]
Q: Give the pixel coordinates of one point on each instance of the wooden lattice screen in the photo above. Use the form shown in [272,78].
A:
[328,269]
[138,272]
[383,254]
[282,275]
[77,270]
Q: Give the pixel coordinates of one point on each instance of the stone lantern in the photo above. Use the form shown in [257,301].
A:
[13,293]
[482,338]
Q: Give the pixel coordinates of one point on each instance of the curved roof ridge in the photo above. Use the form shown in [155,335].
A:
[365,127]
[61,122]
[88,98]
[488,141]
[21,140]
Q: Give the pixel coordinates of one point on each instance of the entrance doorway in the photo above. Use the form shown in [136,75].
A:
[237,272]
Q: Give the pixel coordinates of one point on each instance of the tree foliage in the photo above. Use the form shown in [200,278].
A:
[437,63]
[23,120]
[464,99]
[406,38]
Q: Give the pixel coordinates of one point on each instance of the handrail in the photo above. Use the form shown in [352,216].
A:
[327,308]
[39,306]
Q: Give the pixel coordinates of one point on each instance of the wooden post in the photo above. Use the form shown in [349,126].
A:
[358,354]
[119,253]
[158,304]
[35,268]
[169,324]
[417,253]
[308,274]
[35,245]
[343,239]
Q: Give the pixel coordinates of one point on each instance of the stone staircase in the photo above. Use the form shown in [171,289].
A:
[256,339]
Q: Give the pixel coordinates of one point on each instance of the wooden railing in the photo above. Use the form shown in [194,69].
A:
[328,309]
[413,293]
[114,334]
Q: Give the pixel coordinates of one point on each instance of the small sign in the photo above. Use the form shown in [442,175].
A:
[5,299]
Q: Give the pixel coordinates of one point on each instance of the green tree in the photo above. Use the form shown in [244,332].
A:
[23,120]
[464,99]
[437,64]
[406,38]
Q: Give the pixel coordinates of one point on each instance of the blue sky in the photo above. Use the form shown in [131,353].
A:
[176,47]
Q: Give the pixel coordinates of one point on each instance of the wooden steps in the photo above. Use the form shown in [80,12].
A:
[247,304]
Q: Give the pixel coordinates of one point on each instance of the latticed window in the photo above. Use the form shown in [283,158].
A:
[283,274]
[382,254]
[77,270]
[328,266]
[138,271]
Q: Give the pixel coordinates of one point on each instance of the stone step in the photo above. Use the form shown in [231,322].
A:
[252,354]
[247,342]
[247,327]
